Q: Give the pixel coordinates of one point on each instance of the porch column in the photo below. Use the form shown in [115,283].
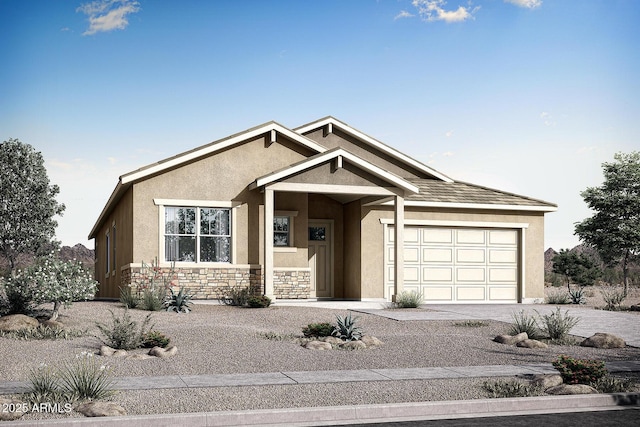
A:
[398,247]
[268,243]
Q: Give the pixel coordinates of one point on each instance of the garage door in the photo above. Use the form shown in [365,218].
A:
[456,264]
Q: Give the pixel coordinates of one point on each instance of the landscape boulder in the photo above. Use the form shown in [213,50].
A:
[511,339]
[53,324]
[603,340]
[531,344]
[571,389]
[371,341]
[546,381]
[331,340]
[100,409]
[163,352]
[15,322]
[139,356]
[318,345]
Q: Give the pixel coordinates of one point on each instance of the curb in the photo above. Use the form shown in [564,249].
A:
[352,414]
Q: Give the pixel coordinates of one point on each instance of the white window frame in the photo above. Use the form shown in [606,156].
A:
[107,237]
[196,204]
[291,215]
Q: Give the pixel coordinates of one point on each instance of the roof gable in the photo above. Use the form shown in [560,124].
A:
[339,155]
[331,123]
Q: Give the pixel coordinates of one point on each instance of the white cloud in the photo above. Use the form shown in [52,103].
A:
[403,14]
[449,134]
[530,4]
[433,10]
[547,119]
[108,15]
[447,154]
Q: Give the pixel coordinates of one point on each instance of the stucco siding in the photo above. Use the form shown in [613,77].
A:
[364,151]
[373,245]
[222,177]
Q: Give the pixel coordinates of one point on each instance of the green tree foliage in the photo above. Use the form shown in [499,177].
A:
[50,280]
[27,202]
[614,228]
[575,268]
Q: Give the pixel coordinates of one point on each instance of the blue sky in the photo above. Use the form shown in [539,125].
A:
[527,96]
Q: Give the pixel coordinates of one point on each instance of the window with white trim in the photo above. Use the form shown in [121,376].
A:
[108,253]
[193,234]
[281,231]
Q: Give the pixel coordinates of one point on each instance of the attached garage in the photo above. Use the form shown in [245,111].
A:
[458,264]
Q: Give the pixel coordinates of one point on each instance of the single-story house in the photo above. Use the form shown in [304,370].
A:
[319,211]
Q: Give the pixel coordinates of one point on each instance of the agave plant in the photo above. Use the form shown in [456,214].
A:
[346,329]
[178,302]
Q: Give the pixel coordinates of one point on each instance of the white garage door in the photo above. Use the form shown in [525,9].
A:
[457,264]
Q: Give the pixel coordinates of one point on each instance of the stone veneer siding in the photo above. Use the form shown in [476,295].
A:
[213,283]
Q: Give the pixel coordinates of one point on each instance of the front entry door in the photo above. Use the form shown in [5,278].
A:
[321,258]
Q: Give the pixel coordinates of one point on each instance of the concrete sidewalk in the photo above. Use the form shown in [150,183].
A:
[336,376]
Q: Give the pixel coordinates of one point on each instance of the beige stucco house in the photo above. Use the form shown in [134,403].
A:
[319,211]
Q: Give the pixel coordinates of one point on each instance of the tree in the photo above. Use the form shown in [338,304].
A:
[576,268]
[614,228]
[27,202]
[50,280]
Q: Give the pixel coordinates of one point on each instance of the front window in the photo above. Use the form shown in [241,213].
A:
[281,231]
[197,234]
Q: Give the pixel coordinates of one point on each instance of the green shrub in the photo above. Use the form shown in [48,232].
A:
[558,297]
[524,322]
[152,299]
[408,299]
[613,297]
[81,379]
[577,296]
[128,298]
[346,328]
[318,330]
[609,384]
[124,333]
[85,379]
[557,325]
[579,371]
[180,302]
[155,339]
[44,385]
[237,296]
[512,388]
[258,301]
[42,332]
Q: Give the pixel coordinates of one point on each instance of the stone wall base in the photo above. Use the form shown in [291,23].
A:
[215,283]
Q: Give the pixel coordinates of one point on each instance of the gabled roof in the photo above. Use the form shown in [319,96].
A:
[335,153]
[125,181]
[333,122]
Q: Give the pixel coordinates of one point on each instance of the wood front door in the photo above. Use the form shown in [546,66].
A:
[321,258]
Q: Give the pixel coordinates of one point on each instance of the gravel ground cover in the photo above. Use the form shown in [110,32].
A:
[217,339]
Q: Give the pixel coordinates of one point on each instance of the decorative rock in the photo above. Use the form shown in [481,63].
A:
[105,350]
[546,381]
[603,340]
[571,389]
[511,339]
[371,341]
[120,353]
[332,340]
[139,357]
[354,345]
[532,344]
[100,409]
[318,345]
[7,404]
[15,322]
[163,352]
